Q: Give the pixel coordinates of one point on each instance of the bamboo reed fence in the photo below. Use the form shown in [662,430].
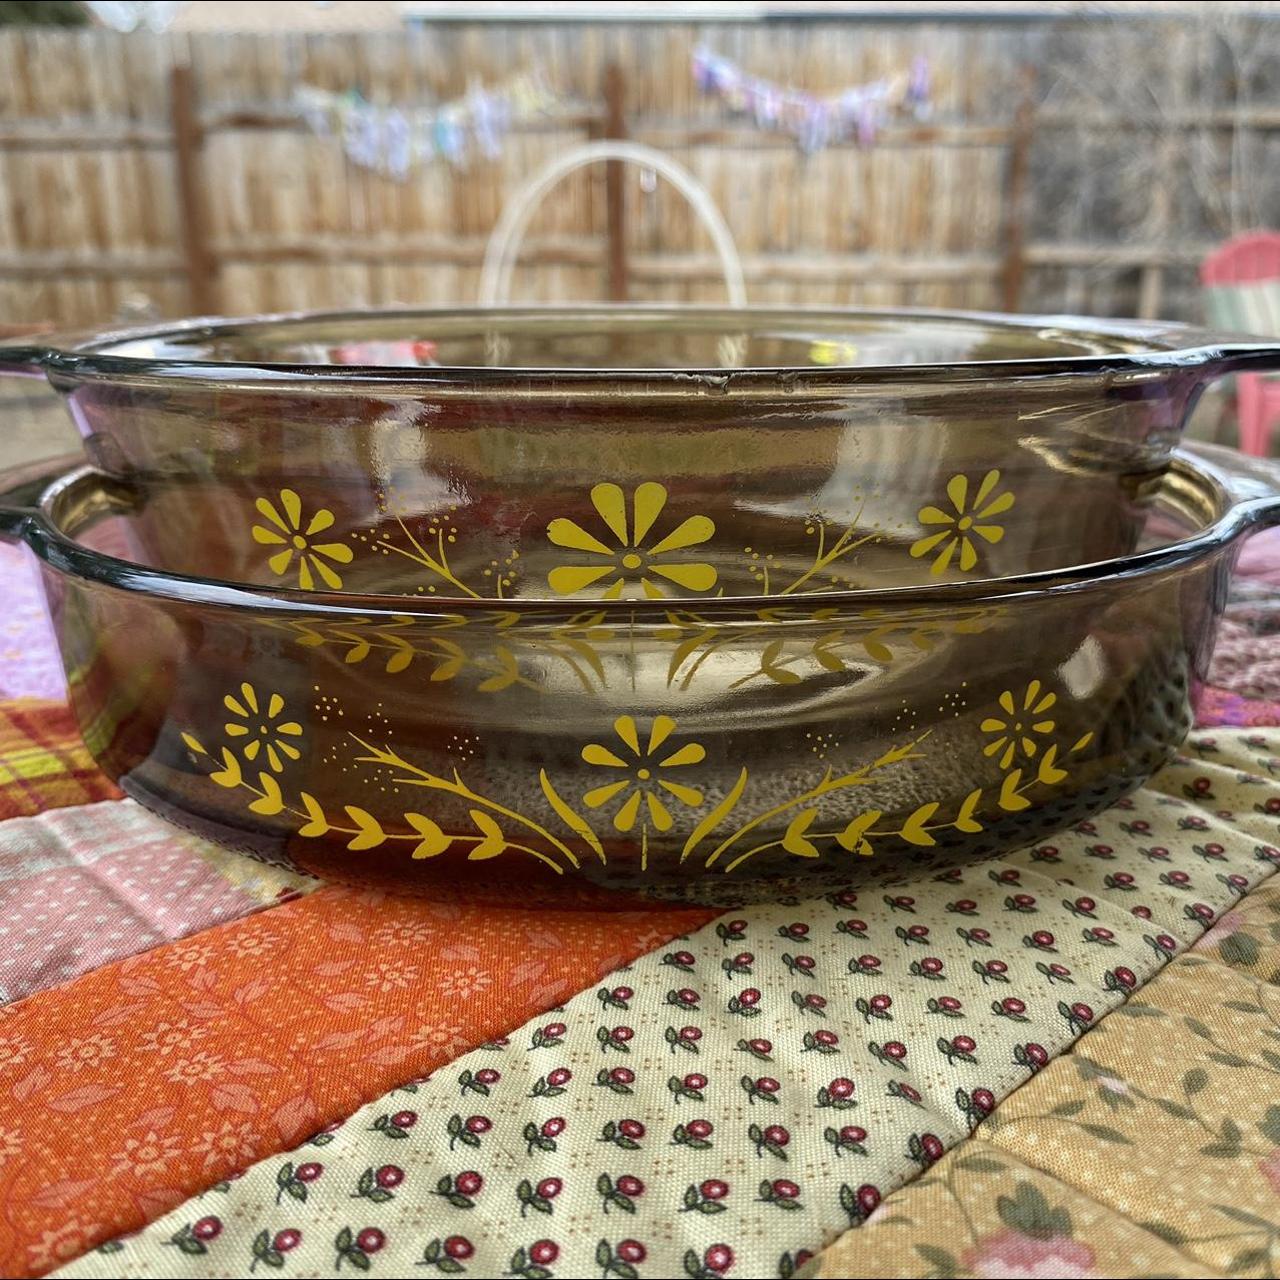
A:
[171,173]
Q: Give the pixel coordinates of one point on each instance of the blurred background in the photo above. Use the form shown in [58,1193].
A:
[161,159]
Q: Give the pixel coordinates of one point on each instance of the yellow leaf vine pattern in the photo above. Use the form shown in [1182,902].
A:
[967,521]
[796,840]
[856,836]
[638,790]
[580,643]
[430,550]
[284,528]
[427,837]
[828,550]
[403,642]
[694,640]
[630,562]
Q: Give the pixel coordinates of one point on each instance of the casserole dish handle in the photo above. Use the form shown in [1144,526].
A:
[1253,484]
[20,490]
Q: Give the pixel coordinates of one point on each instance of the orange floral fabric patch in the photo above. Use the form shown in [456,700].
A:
[126,1091]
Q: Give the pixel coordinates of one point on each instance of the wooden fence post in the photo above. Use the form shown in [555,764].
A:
[615,126]
[188,144]
[1013,267]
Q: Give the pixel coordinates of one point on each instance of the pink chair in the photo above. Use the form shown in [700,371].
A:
[1242,294]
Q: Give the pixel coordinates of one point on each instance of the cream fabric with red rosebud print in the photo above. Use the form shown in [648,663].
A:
[731,1104]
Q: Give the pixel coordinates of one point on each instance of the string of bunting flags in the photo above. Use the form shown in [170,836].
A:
[859,112]
[394,141]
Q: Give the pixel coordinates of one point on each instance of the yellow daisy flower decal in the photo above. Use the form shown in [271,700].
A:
[968,520]
[1020,722]
[633,561]
[261,727]
[641,779]
[287,532]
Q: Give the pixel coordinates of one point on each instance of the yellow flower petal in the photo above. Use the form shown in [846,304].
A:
[327,575]
[319,522]
[648,502]
[291,727]
[275,706]
[250,697]
[292,505]
[233,705]
[688,533]
[625,818]
[659,732]
[338,551]
[686,795]
[651,589]
[992,747]
[990,532]
[1045,703]
[995,508]
[1033,692]
[594,753]
[693,577]
[968,556]
[609,501]
[1043,726]
[927,544]
[1029,748]
[992,725]
[1006,701]
[568,578]
[625,728]
[290,750]
[279,563]
[602,795]
[267,508]
[305,579]
[251,748]
[233,730]
[1007,759]
[659,813]
[615,590]
[989,482]
[566,533]
[267,537]
[932,515]
[273,760]
[957,490]
[939,566]
[690,753]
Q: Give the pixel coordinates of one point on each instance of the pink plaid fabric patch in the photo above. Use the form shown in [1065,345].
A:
[29,665]
[83,886]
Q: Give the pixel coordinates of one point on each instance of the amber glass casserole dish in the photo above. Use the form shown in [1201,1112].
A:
[738,747]
[698,604]
[498,423]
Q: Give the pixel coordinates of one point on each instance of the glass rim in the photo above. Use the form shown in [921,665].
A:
[1239,511]
[1143,348]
